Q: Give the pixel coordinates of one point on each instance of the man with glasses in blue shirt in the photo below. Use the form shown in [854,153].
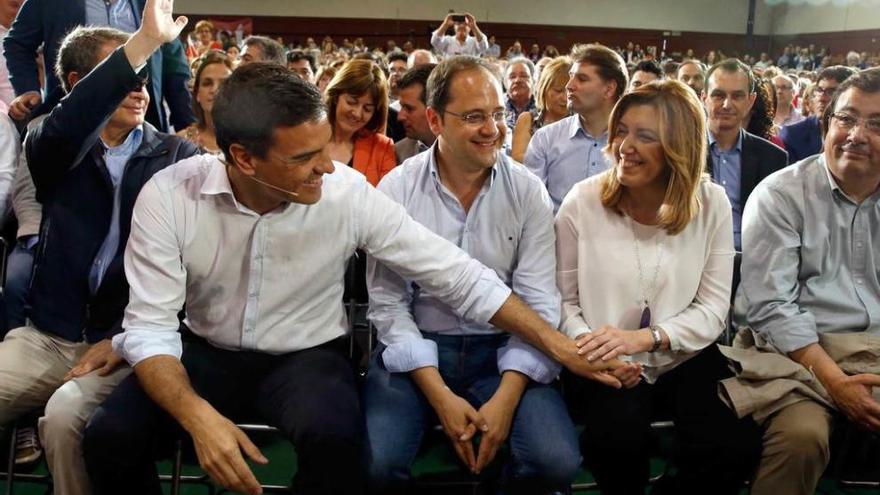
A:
[431,359]
[811,285]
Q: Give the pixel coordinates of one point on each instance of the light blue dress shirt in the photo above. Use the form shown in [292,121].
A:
[508,228]
[812,263]
[727,171]
[563,154]
[117,14]
[115,159]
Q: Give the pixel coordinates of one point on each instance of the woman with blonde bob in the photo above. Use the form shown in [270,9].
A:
[644,266]
[357,108]
[551,104]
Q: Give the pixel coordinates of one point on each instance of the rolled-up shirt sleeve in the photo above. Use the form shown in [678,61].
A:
[390,299]
[771,236]
[415,253]
[567,234]
[157,280]
[534,281]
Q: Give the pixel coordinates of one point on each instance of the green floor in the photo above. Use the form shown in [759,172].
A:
[436,464]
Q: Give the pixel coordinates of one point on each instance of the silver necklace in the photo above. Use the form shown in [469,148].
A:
[645,301]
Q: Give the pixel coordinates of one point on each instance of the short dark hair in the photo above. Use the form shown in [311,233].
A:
[867,80]
[403,57]
[79,50]
[440,80]
[837,73]
[732,66]
[417,75]
[297,55]
[649,66]
[272,50]
[609,64]
[256,99]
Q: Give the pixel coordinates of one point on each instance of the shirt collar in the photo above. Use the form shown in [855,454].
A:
[217,181]
[132,142]
[737,147]
[574,126]
[435,175]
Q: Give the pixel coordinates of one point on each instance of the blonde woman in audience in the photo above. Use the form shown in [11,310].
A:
[551,104]
[205,40]
[215,67]
[357,108]
[644,266]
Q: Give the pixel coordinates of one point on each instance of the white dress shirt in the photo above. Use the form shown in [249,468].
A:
[10,150]
[7,94]
[272,283]
[449,45]
[598,275]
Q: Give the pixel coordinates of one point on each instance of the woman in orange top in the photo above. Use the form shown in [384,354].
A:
[357,107]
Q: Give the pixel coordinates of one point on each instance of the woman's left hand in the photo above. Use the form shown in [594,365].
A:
[609,342]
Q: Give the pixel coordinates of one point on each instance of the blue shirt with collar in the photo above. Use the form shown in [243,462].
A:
[115,159]
[508,228]
[563,154]
[727,171]
[117,14]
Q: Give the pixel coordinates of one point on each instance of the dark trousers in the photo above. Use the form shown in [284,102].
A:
[714,450]
[309,395]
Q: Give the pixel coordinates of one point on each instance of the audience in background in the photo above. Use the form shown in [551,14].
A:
[357,106]
[570,150]
[262,49]
[205,40]
[736,160]
[519,82]
[804,139]
[468,39]
[412,115]
[551,105]
[214,68]
[645,72]
[303,64]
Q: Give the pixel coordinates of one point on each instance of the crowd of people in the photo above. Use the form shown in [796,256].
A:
[192,216]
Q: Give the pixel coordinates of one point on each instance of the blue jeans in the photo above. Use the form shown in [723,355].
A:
[18,277]
[544,453]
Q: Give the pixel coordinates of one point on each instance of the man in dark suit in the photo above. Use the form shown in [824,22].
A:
[46,22]
[804,138]
[737,160]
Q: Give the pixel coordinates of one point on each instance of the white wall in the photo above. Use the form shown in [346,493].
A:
[720,16]
[818,16]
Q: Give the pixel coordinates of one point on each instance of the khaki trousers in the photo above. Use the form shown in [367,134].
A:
[32,369]
[796,450]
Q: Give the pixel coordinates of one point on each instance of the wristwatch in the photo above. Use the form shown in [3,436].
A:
[655,335]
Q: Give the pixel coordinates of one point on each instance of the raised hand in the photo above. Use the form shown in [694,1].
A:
[158,22]
[157,27]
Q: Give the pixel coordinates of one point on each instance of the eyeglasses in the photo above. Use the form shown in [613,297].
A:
[478,119]
[846,122]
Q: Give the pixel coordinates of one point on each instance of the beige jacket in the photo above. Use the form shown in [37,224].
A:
[767,381]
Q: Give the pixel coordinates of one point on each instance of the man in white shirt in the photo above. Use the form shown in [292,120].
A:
[462,43]
[256,246]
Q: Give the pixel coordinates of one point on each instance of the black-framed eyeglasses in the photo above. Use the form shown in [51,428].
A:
[817,91]
[846,122]
[478,119]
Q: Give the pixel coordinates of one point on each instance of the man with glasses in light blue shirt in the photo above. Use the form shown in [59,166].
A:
[567,152]
[811,284]
[433,360]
